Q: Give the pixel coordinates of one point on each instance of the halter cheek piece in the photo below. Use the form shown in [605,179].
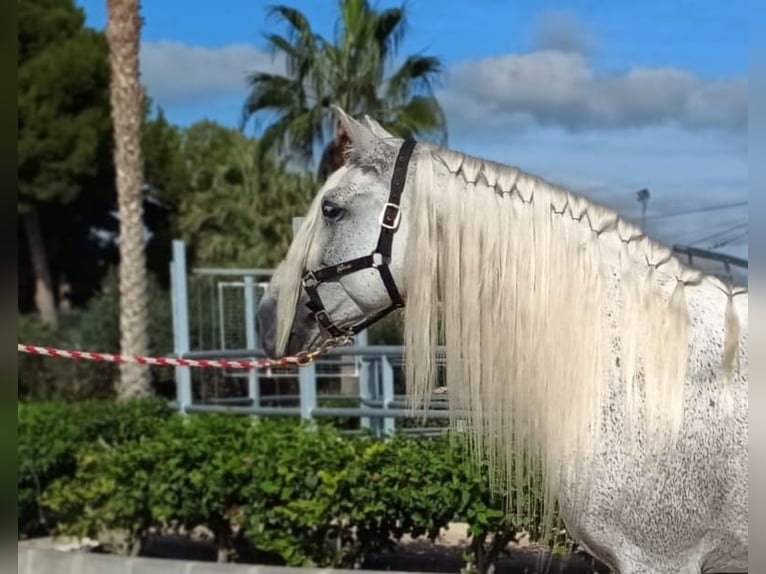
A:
[379,259]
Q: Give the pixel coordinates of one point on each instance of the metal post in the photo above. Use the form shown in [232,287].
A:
[365,385]
[253,388]
[306,375]
[174,304]
[308,390]
[180,308]
[387,382]
[350,371]
[367,376]
[221,316]
[643,196]
[360,341]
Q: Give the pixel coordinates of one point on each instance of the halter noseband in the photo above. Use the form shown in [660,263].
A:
[379,259]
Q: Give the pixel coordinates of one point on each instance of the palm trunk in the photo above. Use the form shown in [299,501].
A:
[44,297]
[123,34]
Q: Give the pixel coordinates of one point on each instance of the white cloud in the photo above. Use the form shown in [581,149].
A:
[557,88]
[178,73]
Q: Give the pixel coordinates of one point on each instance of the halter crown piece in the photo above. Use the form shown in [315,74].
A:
[390,218]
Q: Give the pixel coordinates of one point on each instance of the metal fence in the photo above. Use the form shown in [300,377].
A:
[359,387]
[726,267]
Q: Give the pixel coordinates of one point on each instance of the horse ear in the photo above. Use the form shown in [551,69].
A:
[360,134]
[376,128]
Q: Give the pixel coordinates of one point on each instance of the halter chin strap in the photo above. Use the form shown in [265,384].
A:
[390,218]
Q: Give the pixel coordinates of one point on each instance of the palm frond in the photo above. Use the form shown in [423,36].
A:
[279,43]
[390,29]
[271,92]
[420,116]
[416,75]
[299,27]
[276,139]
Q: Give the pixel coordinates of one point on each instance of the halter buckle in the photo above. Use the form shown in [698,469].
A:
[390,213]
[309,280]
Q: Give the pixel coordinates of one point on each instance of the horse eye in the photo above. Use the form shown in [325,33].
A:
[331,211]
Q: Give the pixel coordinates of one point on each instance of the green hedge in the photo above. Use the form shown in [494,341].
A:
[50,435]
[302,495]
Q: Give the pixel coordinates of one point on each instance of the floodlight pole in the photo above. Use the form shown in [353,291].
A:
[642,196]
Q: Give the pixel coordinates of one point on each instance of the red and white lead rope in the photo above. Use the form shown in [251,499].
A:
[162,361]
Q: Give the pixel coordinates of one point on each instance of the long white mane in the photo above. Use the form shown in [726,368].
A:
[527,285]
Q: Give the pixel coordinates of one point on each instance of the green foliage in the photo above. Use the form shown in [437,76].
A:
[236,210]
[411,484]
[297,505]
[110,492]
[387,331]
[206,466]
[341,423]
[491,526]
[63,101]
[64,149]
[50,436]
[185,475]
[303,493]
[95,328]
[165,170]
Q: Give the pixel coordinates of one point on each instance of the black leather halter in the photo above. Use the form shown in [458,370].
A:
[379,259]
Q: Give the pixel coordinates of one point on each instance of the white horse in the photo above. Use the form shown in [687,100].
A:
[576,345]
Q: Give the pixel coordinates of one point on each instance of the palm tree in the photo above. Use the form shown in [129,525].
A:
[351,71]
[123,33]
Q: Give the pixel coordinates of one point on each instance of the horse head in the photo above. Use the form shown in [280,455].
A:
[344,268]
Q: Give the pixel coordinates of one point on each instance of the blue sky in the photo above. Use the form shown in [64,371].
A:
[602,97]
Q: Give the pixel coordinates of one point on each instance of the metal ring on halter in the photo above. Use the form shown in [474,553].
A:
[305,358]
[385,216]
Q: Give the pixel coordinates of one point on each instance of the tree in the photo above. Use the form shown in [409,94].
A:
[351,72]
[64,133]
[124,34]
[165,171]
[236,209]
